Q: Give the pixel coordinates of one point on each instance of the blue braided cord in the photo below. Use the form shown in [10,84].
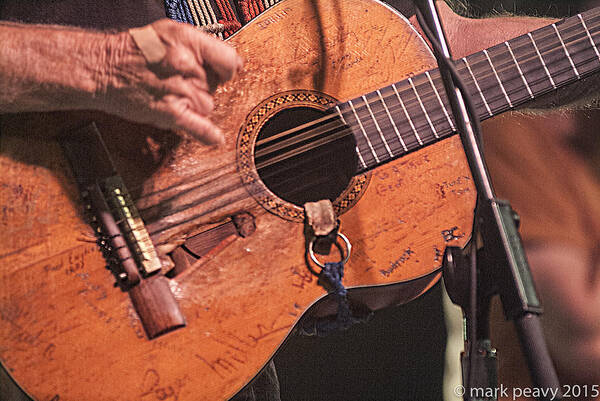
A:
[172,9]
[179,10]
[187,12]
[331,278]
[334,273]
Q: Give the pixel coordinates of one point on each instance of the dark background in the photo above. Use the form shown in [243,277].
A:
[398,355]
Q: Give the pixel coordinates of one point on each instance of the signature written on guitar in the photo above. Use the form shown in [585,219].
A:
[152,388]
[237,348]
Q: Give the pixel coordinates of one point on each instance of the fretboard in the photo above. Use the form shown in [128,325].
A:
[414,113]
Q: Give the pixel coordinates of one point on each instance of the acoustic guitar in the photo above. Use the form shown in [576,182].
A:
[327,86]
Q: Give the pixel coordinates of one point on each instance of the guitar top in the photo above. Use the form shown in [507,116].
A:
[67,333]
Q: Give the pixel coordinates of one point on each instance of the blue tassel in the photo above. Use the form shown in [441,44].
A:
[331,276]
[331,279]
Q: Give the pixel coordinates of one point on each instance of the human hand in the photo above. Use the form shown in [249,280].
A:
[172,93]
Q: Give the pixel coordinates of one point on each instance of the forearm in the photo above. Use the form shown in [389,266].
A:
[44,68]
[468,35]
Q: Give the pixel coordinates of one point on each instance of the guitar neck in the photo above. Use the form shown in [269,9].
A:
[414,113]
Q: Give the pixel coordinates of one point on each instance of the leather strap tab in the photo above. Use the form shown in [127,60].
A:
[320,217]
[322,224]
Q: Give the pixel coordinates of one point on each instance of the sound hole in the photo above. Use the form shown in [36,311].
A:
[316,162]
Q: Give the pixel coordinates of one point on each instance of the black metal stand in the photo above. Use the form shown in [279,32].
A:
[494,261]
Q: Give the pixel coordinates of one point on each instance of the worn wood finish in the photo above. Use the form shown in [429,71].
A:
[67,334]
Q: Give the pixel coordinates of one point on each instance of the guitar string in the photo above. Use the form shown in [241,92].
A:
[258,154]
[429,96]
[432,91]
[217,194]
[157,226]
[425,97]
[235,191]
[181,207]
[232,199]
[441,122]
[205,178]
[224,174]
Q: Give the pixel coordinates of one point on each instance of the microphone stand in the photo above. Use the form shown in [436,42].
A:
[494,261]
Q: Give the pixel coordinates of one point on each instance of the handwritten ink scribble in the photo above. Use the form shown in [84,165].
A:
[398,262]
[238,347]
[451,235]
[151,387]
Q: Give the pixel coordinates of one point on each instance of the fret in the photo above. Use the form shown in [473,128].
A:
[439,98]
[485,103]
[377,127]
[412,126]
[578,40]
[542,60]
[490,86]
[362,129]
[393,124]
[503,76]
[519,69]
[531,65]
[553,54]
[374,125]
[566,51]
[360,157]
[507,76]
[487,56]
[410,81]
[400,120]
[384,141]
[339,112]
[589,35]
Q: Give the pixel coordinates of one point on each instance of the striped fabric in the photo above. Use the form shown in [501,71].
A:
[229,15]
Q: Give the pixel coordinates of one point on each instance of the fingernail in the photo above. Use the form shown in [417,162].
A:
[216,137]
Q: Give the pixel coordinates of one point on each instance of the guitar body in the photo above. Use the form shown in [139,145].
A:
[66,333]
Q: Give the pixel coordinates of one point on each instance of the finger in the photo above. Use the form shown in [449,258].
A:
[221,57]
[203,101]
[179,111]
[180,55]
[201,128]
[182,61]
[199,84]
[189,88]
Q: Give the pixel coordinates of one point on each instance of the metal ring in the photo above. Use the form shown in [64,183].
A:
[344,260]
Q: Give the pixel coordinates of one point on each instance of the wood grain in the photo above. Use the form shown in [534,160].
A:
[66,333]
